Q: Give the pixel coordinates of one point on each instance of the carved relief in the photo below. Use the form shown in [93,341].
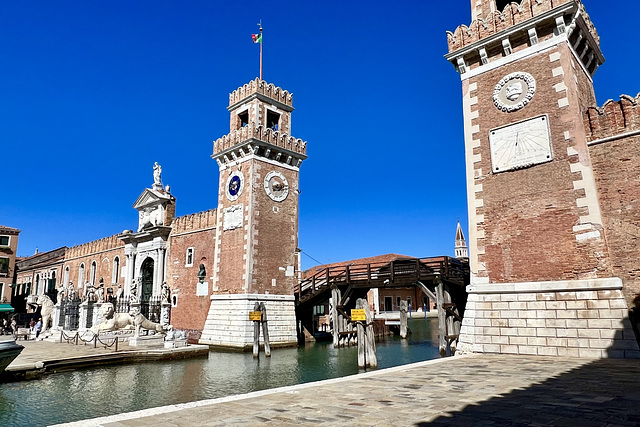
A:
[514,92]
[233,217]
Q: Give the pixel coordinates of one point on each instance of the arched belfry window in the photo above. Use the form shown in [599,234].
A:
[501,4]
[116,270]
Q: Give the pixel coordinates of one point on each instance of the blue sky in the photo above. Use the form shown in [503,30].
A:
[93,93]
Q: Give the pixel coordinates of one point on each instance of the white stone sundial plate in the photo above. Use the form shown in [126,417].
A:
[520,145]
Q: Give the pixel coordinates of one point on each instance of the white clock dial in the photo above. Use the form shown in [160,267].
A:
[276,186]
[520,145]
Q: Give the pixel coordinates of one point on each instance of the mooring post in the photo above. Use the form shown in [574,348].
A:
[451,342]
[265,330]
[335,300]
[256,332]
[366,337]
[442,319]
[403,319]
[425,310]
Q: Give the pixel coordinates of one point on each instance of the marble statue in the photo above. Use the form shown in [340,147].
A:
[89,292]
[166,293]
[112,321]
[71,292]
[61,293]
[133,292]
[100,291]
[157,175]
[119,292]
[46,312]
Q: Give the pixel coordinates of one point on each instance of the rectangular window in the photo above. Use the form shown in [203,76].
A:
[4,240]
[398,299]
[408,303]
[189,261]
[273,120]
[4,266]
[244,118]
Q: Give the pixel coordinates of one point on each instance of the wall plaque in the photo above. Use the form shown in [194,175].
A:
[233,217]
[520,145]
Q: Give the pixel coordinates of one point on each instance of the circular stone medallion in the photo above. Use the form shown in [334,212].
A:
[276,186]
[235,184]
[514,91]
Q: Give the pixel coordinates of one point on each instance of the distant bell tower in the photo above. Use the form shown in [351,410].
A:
[257,225]
[461,244]
[535,224]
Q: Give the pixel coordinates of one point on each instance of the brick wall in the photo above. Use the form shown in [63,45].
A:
[103,252]
[191,310]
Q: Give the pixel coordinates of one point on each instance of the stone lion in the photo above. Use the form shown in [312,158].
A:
[46,312]
[112,321]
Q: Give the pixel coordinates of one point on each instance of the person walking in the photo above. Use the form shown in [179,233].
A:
[14,327]
[32,324]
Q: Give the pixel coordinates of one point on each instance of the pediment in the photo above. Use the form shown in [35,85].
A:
[150,198]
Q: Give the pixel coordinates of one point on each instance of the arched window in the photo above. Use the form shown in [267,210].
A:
[81,276]
[501,4]
[66,276]
[92,277]
[116,270]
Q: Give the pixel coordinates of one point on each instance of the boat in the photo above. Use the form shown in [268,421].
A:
[9,350]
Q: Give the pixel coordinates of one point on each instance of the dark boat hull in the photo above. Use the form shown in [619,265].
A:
[9,350]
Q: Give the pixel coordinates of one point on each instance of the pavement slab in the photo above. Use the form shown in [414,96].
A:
[474,390]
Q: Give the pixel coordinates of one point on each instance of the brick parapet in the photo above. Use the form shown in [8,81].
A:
[260,86]
[100,245]
[194,222]
[513,14]
[261,133]
[613,118]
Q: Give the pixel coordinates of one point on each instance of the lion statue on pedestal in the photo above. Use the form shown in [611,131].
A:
[112,321]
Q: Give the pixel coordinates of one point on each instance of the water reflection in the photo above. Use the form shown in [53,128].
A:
[70,396]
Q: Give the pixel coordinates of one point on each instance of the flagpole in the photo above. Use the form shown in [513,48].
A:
[260,25]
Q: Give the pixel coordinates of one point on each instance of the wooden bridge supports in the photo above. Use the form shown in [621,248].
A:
[260,307]
[336,297]
[366,338]
[449,319]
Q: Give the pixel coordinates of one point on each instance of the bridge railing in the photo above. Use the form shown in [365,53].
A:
[400,270]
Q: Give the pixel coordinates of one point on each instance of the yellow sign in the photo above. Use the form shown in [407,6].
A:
[358,315]
[256,316]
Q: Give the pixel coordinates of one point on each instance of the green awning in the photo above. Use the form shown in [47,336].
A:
[6,308]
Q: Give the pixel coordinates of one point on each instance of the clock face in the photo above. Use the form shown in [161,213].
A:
[520,145]
[235,184]
[276,186]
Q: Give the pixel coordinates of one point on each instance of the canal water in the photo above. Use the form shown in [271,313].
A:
[109,390]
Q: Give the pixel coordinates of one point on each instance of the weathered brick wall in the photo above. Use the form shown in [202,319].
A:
[275,230]
[194,222]
[486,20]
[527,218]
[103,252]
[191,310]
[617,171]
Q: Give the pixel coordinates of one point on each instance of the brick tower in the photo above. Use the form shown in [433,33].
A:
[542,280]
[257,226]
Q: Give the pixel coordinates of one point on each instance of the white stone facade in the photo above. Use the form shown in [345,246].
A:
[228,323]
[578,318]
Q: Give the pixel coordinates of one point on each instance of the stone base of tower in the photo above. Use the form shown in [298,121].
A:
[228,324]
[578,318]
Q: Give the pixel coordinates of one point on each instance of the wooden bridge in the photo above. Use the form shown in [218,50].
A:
[443,279]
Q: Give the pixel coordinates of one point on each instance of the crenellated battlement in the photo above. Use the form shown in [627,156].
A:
[513,14]
[613,118]
[261,133]
[194,222]
[260,86]
[104,244]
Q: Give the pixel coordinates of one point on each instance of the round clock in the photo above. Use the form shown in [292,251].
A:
[514,92]
[235,184]
[276,186]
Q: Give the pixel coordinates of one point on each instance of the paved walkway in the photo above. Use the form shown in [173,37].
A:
[483,390]
[45,356]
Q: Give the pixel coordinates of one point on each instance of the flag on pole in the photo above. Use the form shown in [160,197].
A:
[257,38]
